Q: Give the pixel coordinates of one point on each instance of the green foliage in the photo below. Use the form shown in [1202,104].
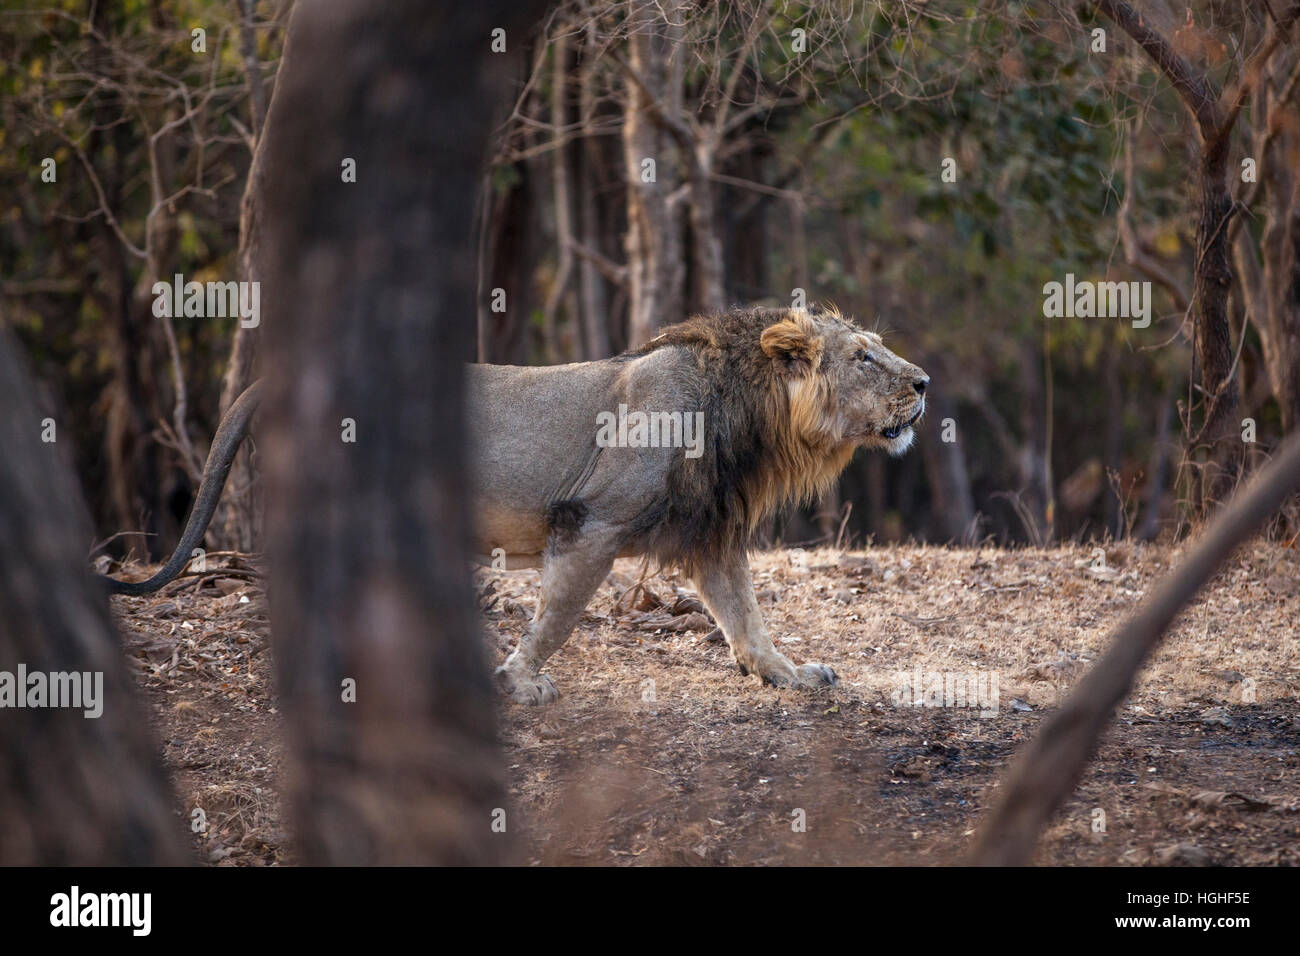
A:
[150,144]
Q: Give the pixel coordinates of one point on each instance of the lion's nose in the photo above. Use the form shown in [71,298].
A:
[920,385]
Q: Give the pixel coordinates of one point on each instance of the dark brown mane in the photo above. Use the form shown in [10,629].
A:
[752,462]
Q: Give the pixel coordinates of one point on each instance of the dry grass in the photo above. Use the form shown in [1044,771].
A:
[1035,617]
[704,766]
[713,768]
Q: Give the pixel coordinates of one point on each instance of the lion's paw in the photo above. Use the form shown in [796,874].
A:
[803,677]
[816,675]
[534,690]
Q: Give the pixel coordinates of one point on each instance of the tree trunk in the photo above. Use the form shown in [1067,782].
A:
[1283,279]
[509,254]
[135,461]
[370,285]
[252,65]
[135,477]
[1153,499]
[945,471]
[877,497]
[237,523]
[1216,447]
[1220,462]
[76,790]
[1032,461]
[1112,455]
[561,66]
[1279,319]
[595,300]
[656,273]
[706,242]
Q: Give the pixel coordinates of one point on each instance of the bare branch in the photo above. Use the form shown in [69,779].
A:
[1235,98]
[104,207]
[1273,124]
[679,130]
[1192,85]
[1134,254]
[1047,771]
[611,270]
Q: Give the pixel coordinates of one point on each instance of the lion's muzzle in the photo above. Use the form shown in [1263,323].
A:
[895,430]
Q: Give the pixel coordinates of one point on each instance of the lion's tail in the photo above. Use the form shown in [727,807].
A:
[230,434]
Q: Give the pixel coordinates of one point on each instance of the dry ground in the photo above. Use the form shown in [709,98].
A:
[661,752]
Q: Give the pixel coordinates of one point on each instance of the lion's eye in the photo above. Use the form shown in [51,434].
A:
[864,356]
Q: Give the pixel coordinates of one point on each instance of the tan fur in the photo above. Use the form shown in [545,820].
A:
[786,397]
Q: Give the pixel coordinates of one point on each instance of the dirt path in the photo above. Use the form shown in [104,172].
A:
[661,752]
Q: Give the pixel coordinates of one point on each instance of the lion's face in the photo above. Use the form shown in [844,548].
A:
[845,387]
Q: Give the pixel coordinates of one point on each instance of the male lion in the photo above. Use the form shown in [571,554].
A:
[781,398]
[786,397]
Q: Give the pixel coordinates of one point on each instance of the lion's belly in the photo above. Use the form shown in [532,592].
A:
[501,530]
[533,439]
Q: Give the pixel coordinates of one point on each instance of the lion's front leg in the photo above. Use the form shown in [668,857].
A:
[727,589]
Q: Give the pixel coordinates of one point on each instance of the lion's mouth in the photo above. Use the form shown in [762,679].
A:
[896,430]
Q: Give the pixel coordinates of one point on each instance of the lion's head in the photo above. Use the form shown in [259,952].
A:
[788,395]
[844,385]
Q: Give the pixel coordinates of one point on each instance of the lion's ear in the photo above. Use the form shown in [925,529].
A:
[793,344]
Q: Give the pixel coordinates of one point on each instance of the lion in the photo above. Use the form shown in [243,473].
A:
[674,451]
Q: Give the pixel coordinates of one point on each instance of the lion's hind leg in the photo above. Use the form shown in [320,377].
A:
[727,590]
[572,568]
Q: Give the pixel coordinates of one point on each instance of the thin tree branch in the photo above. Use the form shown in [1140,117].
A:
[1046,773]
[611,270]
[1191,84]
[1235,98]
[1134,254]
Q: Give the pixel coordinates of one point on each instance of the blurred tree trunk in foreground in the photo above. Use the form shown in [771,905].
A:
[368,295]
[74,790]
